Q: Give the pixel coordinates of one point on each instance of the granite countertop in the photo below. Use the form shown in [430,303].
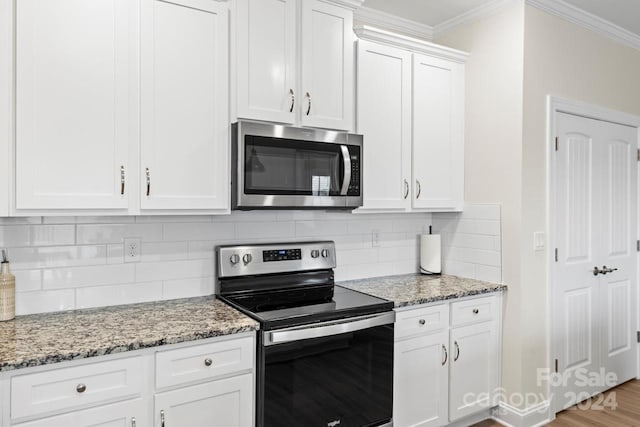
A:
[42,339]
[414,289]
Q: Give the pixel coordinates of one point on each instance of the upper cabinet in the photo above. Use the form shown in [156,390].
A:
[184,114]
[410,109]
[120,109]
[438,133]
[74,77]
[294,62]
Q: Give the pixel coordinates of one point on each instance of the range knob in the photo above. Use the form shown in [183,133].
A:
[315,253]
[325,253]
[234,259]
[246,258]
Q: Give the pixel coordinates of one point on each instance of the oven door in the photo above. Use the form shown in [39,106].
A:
[278,166]
[329,374]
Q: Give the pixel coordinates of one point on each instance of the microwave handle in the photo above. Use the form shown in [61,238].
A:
[347,170]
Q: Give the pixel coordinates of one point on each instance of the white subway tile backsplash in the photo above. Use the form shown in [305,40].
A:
[57,256]
[186,288]
[164,251]
[360,256]
[28,280]
[37,235]
[73,277]
[194,231]
[172,270]
[119,294]
[44,301]
[265,230]
[320,228]
[115,254]
[204,249]
[116,233]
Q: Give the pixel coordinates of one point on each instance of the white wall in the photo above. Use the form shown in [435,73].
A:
[66,263]
[569,61]
[493,148]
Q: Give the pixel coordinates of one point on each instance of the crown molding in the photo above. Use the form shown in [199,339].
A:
[366,16]
[350,4]
[587,20]
[367,32]
[473,15]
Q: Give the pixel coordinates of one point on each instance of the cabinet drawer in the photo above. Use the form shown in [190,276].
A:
[474,310]
[67,388]
[421,320]
[204,361]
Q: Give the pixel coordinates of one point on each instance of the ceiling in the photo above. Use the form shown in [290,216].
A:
[624,13]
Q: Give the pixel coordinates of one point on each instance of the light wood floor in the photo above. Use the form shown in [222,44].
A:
[627,413]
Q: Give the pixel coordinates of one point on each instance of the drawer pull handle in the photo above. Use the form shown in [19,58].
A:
[422,321]
[208,362]
[81,388]
[446,355]
[476,311]
[455,359]
[133,421]
[162,418]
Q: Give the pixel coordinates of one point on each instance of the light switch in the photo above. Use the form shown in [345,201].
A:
[538,241]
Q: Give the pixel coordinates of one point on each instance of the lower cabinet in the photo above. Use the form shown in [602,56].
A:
[210,382]
[131,413]
[447,360]
[227,401]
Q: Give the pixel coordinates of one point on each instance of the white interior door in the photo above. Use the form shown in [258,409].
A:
[184,117]
[595,227]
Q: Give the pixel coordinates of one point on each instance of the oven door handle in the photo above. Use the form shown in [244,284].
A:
[328,328]
[346,159]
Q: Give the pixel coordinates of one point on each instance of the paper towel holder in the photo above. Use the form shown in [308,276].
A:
[430,253]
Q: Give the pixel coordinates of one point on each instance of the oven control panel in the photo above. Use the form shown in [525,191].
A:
[275,258]
[281,255]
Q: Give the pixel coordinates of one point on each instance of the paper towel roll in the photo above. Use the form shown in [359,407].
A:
[430,254]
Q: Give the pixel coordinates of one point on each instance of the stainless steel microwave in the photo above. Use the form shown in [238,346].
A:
[280,167]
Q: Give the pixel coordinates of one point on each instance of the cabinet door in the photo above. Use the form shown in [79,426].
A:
[184,128]
[326,100]
[75,63]
[420,381]
[474,369]
[266,84]
[438,133]
[384,118]
[226,402]
[131,413]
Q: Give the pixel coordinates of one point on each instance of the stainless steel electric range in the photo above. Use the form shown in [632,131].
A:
[325,353]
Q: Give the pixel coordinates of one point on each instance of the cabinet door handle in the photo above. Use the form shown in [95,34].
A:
[455,359]
[419,189]
[406,189]
[81,388]
[422,321]
[446,355]
[133,421]
[293,100]
[148,172]
[162,418]
[208,362]
[309,103]
[476,311]
[121,180]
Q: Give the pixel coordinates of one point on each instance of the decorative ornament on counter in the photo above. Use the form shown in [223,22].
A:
[7,290]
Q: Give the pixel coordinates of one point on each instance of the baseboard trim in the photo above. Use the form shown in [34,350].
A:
[472,419]
[533,416]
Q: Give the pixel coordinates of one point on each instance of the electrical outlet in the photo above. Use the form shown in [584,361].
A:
[375,238]
[538,241]
[132,249]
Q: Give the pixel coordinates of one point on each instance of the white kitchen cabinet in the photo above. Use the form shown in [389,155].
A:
[384,118]
[224,402]
[446,361]
[421,369]
[327,65]
[130,413]
[277,79]
[438,133]
[410,109]
[266,42]
[473,379]
[184,109]
[75,72]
